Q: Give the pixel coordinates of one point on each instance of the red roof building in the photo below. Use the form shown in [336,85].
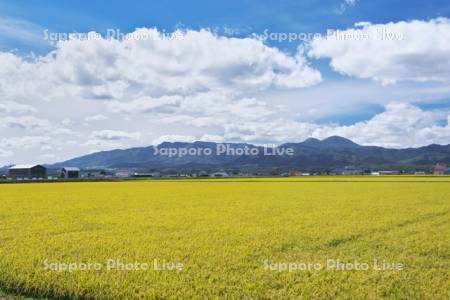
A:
[439,169]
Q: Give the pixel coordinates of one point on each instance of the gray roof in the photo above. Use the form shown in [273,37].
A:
[71,169]
[16,167]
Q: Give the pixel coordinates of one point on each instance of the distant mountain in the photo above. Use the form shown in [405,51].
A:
[4,169]
[312,154]
[338,142]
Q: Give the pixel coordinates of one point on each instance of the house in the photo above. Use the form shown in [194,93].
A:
[70,172]
[122,173]
[439,169]
[27,172]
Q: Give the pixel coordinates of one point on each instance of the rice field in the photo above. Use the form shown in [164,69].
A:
[285,238]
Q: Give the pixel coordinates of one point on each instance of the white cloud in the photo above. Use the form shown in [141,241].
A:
[66,122]
[100,145]
[214,108]
[46,148]
[201,87]
[146,104]
[344,5]
[269,131]
[97,117]
[48,156]
[114,135]
[212,138]
[5,153]
[109,139]
[198,79]
[174,138]
[11,107]
[33,124]
[24,142]
[25,122]
[388,53]
[400,126]
[101,69]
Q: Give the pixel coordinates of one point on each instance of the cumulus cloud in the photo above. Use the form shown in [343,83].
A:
[388,53]
[215,109]
[97,117]
[174,138]
[276,130]
[47,156]
[5,153]
[109,139]
[114,135]
[399,126]
[25,122]
[146,104]
[11,107]
[102,69]
[212,138]
[24,142]
[198,78]
[90,95]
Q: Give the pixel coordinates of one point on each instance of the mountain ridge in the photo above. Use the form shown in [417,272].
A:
[311,154]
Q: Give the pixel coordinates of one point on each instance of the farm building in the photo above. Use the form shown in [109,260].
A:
[27,172]
[351,170]
[146,175]
[220,174]
[70,172]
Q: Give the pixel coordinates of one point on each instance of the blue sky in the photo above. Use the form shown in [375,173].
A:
[324,87]
[246,16]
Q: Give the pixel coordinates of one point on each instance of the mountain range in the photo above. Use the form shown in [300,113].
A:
[312,154]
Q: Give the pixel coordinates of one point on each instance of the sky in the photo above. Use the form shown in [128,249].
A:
[77,78]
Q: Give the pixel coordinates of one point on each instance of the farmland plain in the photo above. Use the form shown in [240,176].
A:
[232,237]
